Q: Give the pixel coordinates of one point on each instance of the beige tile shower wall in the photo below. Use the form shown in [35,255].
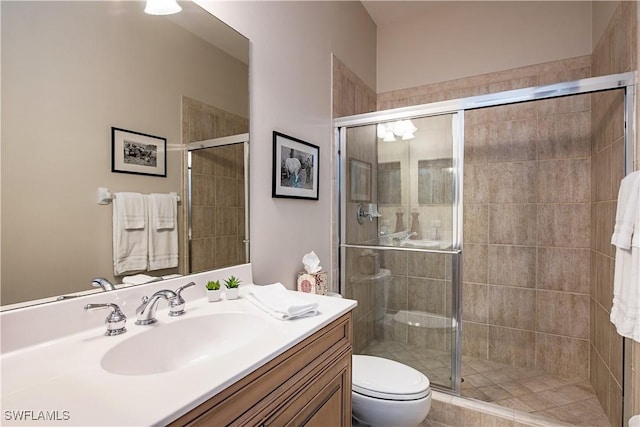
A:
[218,202]
[350,96]
[218,208]
[552,72]
[615,52]
[361,150]
[527,229]
[201,121]
[526,219]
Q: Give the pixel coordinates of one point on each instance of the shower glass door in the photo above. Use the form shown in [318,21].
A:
[400,246]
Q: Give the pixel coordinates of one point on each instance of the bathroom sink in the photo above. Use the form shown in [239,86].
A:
[169,347]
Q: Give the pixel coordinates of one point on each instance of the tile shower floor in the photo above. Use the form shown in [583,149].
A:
[527,390]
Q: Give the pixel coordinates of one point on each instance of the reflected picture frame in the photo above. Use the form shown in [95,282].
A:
[296,165]
[138,153]
[360,181]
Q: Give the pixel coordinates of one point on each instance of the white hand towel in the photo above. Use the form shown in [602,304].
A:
[133,210]
[626,212]
[281,303]
[625,311]
[163,242]
[164,210]
[130,245]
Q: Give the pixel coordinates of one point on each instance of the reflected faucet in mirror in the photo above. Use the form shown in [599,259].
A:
[104,284]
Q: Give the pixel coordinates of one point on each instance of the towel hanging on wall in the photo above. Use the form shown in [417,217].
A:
[163,231]
[130,242]
[625,311]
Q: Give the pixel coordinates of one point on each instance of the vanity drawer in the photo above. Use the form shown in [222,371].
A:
[278,389]
[323,401]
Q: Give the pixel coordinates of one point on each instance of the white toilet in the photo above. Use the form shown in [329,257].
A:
[386,393]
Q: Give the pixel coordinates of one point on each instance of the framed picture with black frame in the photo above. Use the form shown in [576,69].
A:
[295,168]
[138,153]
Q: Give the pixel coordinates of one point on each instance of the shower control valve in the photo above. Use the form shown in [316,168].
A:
[369,210]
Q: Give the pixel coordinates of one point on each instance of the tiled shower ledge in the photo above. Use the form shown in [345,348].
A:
[481,409]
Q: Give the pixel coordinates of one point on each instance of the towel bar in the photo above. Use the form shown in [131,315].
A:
[105,197]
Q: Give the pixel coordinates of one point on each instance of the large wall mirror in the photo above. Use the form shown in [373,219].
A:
[70,72]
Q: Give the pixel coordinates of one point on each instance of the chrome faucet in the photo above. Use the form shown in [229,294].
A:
[115,321]
[176,305]
[146,313]
[101,282]
[407,237]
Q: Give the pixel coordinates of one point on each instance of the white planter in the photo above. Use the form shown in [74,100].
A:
[232,293]
[213,296]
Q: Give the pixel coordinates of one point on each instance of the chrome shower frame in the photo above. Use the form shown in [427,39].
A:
[624,81]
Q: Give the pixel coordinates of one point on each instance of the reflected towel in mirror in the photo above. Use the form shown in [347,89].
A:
[164,209]
[163,240]
[139,279]
[130,240]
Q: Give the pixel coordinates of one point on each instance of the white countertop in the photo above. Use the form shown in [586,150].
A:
[64,375]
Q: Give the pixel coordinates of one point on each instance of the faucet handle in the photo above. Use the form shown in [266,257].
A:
[115,320]
[181,288]
[176,305]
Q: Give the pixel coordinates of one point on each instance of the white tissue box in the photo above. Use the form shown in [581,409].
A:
[315,283]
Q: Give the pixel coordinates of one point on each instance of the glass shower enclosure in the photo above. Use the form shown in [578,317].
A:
[400,184]
[401,240]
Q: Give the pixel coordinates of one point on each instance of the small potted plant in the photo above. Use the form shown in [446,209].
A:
[232,284]
[213,290]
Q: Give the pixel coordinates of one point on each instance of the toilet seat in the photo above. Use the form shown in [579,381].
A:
[387,379]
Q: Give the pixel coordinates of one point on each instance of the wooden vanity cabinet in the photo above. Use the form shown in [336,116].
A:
[308,385]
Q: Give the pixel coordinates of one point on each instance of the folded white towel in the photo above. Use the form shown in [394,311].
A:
[164,210]
[133,210]
[281,303]
[163,242]
[139,279]
[129,244]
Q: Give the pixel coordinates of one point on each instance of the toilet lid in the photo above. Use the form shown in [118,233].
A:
[387,379]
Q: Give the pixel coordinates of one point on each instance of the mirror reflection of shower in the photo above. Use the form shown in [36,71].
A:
[217,197]
[414,181]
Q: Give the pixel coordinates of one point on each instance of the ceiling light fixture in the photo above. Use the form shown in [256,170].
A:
[389,137]
[401,128]
[162,7]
